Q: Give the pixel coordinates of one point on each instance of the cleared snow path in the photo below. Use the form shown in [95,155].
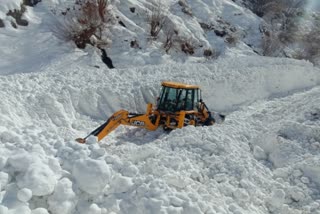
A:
[262,159]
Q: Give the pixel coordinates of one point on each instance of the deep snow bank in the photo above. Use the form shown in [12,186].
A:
[87,91]
[64,94]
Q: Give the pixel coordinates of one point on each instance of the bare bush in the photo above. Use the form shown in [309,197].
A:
[156,19]
[210,53]
[134,44]
[17,15]
[31,2]
[264,7]
[87,18]
[222,28]
[187,47]
[182,3]
[170,39]
[232,39]
[271,45]
[185,7]
[311,42]
[207,52]
[281,23]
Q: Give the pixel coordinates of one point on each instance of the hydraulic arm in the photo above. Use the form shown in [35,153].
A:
[122,117]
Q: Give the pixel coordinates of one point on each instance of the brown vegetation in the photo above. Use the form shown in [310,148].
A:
[85,20]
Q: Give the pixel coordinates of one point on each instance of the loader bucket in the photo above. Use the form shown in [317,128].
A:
[81,140]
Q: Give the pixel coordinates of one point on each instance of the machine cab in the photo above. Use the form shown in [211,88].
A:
[176,97]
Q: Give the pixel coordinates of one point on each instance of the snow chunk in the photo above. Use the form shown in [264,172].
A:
[305,180]
[21,161]
[176,181]
[91,175]
[39,178]
[312,172]
[3,162]
[94,209]
[9,136]
[39,211]
[258,153]
[277,198]
[296,194]
[24,195]
[63,199]
[4,178]
[120,184]
[175,201]
[3,209]
[92,140]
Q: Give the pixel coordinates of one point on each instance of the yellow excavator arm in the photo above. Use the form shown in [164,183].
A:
[122,117]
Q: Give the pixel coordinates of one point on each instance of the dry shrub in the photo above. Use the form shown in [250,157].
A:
[281,22]
[210,53]
[134,44]
[311,42]
[221,29]
[232,39]
[187,47]
[170,39]
[156,19]
[207,53]
[182,3]
[185,7]
[271,45]
[31,2]
[206,26]
[17,15]
[264,7]
[87,18]
[132,9]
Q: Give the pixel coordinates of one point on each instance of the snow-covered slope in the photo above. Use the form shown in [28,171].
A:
[42,33]
[262,159]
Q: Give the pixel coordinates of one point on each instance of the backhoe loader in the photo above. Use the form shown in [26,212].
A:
[178,105]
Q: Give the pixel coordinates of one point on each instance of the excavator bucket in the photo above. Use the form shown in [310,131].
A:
[81,140]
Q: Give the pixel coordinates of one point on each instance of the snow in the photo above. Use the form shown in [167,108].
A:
[39,211]
[63,199]
[91,175]
[263,159]
[24,194]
